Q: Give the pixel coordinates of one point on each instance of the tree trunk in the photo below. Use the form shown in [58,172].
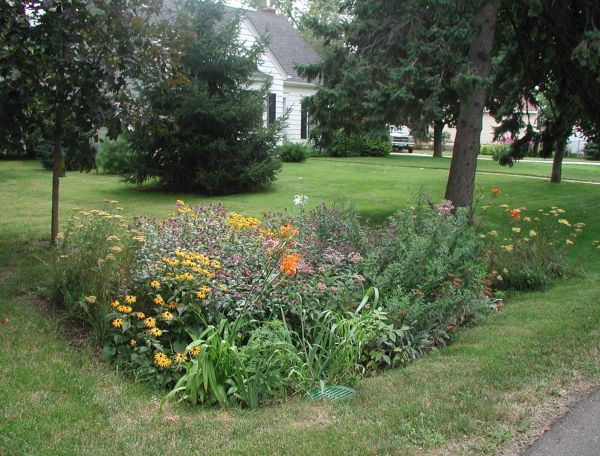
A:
[57,172]
[461,180]
[438,146]
[559,153]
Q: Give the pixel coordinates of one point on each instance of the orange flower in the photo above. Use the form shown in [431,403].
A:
[495,191]
[288,231]
[289,264]
[515,214]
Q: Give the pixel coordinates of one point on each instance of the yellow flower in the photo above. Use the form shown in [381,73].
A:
[133,342]
[569,242]
[124,309]
[129,299]
[508,248]
[112,237]
[117,323]
[172,305]
[116,248]
[527,219]
[564,222]
[115,303]
[155,284]
[162,360]
[202,293]
[90,299]
[195,351]
[159,301]
[140,315]
[150,322]
[180,358]
[532,233]
[167,315]
[516,229]
[155,332]
[493,233]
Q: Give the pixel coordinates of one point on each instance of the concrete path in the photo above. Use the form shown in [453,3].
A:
[525,160]
[575,434]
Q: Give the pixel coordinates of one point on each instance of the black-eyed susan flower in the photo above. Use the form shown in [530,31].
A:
[150,322]
[117,322]
[115,303]
[162,360]
[167,315]
[159,301]
[155,284]
[155,332]
[180,358]
[129,299]
[195,351]
[140,315]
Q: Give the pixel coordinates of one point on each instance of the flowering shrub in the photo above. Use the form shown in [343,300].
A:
[529,251]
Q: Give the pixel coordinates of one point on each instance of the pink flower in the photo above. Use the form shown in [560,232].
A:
[355,257]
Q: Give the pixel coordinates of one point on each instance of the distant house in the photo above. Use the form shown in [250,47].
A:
[489,123]
[284,50]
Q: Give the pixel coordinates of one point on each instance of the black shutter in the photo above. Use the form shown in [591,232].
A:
[303,121]
[272,112]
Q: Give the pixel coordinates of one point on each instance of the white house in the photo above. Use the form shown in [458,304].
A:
[285,48]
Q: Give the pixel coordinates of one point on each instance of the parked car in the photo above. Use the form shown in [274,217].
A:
[401,138]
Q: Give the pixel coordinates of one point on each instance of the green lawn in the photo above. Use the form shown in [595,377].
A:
[586,171]
[468,398]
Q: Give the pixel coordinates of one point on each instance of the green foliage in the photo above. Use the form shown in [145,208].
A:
[592,151]
[293,152]
[115,157]
[494,150]
[344,144]
[529,252]
[204,130]
[44,153]
[427,265]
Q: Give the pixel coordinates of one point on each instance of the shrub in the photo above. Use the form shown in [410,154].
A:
[495,150]
[293,152]
[346,144]
[44,153]
[115,157]
[591,151]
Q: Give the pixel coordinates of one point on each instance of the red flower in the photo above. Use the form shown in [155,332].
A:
[495,191]
[515,214]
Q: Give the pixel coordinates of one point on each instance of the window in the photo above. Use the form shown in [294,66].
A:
[272,108]
[303,121]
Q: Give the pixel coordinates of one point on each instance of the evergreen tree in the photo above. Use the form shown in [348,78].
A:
[203,130]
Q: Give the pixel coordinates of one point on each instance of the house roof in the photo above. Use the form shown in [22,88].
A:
[283,40]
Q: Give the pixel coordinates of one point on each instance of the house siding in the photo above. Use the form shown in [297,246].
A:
[293,94]
[487,127]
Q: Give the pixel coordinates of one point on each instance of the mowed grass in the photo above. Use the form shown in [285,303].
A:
[468,398]
[585,170]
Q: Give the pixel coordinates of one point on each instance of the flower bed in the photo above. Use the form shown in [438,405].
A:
[220,307]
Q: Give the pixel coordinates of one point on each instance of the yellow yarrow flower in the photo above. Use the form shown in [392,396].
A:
[564,222]
[532,233]
[569,242]
[90,299]
[516,229]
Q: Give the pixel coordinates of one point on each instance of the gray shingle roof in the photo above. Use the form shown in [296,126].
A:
[284,41]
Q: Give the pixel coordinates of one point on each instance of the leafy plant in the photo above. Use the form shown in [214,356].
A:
[293,152]
[115,157]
